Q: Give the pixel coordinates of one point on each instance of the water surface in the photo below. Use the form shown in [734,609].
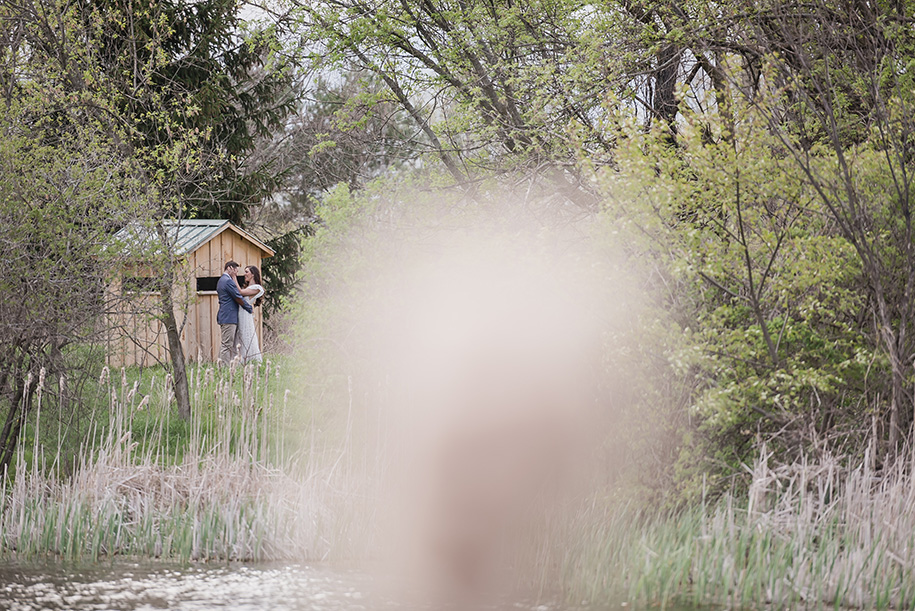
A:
[124,586]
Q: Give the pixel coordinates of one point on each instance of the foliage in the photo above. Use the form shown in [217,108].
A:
[347,131]
[116,111]
[753,162]
[202,94]
[281,271]
[490,89]
[65,185]
[765,291]
[763,163]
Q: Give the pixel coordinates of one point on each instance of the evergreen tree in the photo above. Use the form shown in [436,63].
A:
[189,73]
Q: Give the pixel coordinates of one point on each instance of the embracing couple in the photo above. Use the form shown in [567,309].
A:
[237,301]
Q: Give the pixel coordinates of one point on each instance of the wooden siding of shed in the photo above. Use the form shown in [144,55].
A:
[136,337]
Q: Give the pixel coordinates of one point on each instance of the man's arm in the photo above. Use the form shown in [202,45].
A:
[236,295]
[244,304]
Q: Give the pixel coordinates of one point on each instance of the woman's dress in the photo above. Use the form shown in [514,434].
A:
[246,335]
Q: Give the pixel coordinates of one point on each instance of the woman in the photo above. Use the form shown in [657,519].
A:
[246,336]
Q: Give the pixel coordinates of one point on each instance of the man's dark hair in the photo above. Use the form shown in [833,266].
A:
[230,264]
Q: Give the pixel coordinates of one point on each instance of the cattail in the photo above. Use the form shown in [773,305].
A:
[133,391]
[143,403]
[61,390]
[105,376]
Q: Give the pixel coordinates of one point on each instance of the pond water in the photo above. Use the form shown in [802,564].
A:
[146,586]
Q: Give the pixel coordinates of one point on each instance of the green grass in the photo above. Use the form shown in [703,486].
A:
[146,396]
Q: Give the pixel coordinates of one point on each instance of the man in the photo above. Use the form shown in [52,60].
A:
[227,316]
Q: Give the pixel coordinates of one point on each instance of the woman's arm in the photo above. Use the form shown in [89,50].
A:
[247,292]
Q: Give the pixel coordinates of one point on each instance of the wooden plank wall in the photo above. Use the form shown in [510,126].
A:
[136,336]
[142,341]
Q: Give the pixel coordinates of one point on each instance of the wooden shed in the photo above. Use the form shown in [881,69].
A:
[202,247]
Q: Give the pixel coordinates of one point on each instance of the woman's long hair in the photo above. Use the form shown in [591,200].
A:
[257,280]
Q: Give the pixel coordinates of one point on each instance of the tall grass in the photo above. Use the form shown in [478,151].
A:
[234,487]
[807,534]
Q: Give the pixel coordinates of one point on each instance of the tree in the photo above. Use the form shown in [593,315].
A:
[492,89]
[781,134]
[800,230]
[194,80]
[764,292]
[829,79]
[347,131]
[849,84]
[65,185]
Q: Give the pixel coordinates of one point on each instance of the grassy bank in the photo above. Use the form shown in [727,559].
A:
[807,534]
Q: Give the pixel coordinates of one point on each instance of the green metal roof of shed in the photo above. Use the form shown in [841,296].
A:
[186,235]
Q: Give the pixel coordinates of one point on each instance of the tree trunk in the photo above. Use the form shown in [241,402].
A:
[15,420]
[175,351]
[896,404]
[890,337]
[664,101]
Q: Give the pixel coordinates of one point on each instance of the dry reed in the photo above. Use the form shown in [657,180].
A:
[234,491]
[806,535]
